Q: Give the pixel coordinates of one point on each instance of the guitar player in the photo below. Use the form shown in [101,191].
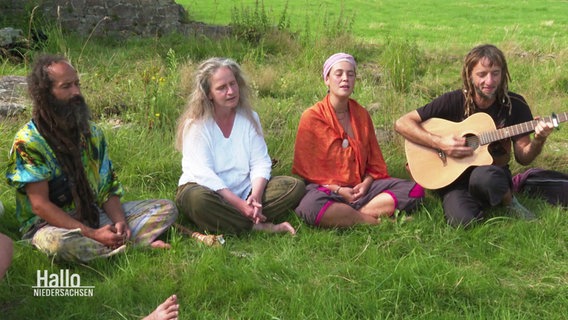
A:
[479,187]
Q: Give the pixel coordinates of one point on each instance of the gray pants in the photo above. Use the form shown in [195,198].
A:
[211,213]
[406,195]
[477,189]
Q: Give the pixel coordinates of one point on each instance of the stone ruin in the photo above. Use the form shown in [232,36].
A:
[13,96]
[98,18]
[104,17]
[121,18]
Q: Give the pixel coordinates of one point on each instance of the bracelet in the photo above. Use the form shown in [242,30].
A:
[337,190]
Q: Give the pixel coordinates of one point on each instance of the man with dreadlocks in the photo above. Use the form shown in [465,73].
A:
[67,194]
[485,89]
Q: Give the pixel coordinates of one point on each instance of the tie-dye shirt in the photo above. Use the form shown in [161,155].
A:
[33,160]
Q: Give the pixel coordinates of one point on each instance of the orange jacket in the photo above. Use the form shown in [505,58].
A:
[319,156]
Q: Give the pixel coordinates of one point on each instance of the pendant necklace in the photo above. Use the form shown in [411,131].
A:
[345,143]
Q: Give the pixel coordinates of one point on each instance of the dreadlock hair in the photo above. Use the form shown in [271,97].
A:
[495,57]
[64,140]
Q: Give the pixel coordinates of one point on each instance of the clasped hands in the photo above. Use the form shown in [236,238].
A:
[112,236]
[253,210]
[353,194]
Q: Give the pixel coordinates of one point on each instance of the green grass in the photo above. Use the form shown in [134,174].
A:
[421,269]
[436,24]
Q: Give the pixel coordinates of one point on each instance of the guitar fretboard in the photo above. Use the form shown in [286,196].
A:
[500,134]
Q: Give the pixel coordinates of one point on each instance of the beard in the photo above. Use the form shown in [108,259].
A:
[484,95]
[71,115]
[65,126]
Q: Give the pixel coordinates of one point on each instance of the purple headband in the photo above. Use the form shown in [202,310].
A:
[338,57]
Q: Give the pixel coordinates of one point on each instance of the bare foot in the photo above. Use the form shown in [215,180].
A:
[160,244]
[168,310]
[275,228]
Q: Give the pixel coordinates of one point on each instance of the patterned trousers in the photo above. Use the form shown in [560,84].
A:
[147,220]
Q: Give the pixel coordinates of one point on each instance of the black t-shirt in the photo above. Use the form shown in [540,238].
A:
[451,106]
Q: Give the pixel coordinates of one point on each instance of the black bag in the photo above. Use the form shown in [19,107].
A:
[548,184]
[60,192]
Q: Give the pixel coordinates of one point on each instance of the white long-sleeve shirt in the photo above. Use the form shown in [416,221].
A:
[216,162]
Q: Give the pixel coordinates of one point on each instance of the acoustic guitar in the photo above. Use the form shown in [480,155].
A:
[432,169]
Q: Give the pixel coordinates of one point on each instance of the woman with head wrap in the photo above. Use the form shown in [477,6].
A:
[337,154]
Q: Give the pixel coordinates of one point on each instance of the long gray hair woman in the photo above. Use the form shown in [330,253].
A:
[226,184]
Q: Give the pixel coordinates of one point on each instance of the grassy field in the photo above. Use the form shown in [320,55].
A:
[408,53]
[435,24]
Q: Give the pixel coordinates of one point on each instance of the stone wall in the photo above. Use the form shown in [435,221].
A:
[9,9]
[105,17]
[13,96]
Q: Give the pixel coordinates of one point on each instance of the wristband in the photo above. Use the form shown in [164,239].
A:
[337,190]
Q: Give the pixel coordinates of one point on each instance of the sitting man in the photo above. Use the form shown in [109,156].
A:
[485,95]
[67,194]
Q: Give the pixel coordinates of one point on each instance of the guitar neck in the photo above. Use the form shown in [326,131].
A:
[507,132]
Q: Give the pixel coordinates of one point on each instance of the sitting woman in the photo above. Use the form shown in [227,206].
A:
[338,155]
[226,185]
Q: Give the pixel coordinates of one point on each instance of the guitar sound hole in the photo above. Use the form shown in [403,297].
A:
[472,141]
